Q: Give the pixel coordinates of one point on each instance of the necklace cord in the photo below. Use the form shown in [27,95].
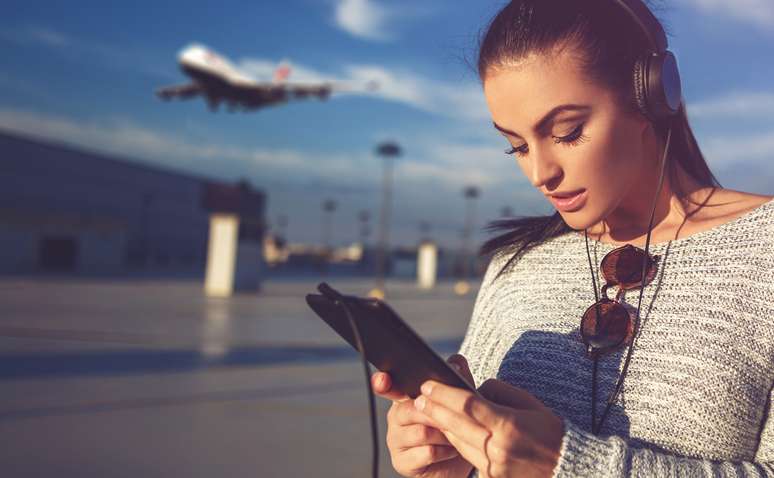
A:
[595,427]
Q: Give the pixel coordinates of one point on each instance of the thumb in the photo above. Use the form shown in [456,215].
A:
[460,364]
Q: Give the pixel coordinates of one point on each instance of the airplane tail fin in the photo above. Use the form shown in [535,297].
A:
[282,73]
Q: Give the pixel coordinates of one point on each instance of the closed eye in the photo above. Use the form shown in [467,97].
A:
[572,139]
[518,151]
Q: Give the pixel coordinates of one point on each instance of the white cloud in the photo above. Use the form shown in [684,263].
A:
[125,138]
[123,57]
[456,100]
[734,105]
[724,151]
[363,18]
[457,165]
[376,20]
[47,37]
[36,35]
[756,12]
[460,100]
[445,165]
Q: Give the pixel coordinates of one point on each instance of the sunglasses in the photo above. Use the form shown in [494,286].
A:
[607,326]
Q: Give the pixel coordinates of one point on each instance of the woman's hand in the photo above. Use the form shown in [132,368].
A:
[417,448]
[503,431]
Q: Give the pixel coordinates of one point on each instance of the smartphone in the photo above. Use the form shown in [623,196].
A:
[389,343]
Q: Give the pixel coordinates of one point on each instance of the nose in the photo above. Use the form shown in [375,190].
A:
[544,171]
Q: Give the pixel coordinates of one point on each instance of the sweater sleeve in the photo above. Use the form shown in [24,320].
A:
[477,326]
[585,455]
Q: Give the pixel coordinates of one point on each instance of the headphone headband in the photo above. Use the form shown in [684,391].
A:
[657,88]
[648,23]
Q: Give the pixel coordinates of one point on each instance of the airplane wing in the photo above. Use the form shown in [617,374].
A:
[322,91]
[260,96]
[182,91]
[327,88]
[276,93]
[350,87]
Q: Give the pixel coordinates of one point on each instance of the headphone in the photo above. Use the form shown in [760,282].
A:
[657,87]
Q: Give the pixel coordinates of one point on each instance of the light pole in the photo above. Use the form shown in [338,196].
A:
[365,230]
[471,193]
[388,151]
[282,224]
[329,206]
[424,231]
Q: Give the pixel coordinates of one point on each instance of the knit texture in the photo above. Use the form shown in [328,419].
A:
[696,396]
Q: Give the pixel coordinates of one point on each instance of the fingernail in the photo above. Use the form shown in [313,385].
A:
[456,367]
[426,388]
[420,402]
[380,380]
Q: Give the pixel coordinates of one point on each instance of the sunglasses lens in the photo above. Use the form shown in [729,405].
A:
[605,326]
[623,267]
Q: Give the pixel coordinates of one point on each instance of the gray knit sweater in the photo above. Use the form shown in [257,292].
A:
[695,399]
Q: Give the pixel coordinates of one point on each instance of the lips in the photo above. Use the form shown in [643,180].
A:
[568,194]
[569,201]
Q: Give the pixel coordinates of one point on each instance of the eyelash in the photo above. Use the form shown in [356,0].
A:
[573,139]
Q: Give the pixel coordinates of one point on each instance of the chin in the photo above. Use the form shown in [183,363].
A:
[580,220]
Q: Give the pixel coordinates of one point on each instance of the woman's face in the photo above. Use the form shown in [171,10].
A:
[569,135]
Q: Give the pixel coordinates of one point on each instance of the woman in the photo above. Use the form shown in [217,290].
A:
[679,383]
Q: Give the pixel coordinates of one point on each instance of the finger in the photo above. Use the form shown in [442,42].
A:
[464,403]
[460,364]
[405,414]
[381,382]
[461,422]
[419,435]
[509,396]
[416,459]
[474,455]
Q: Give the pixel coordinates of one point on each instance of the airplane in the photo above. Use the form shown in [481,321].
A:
[216,79]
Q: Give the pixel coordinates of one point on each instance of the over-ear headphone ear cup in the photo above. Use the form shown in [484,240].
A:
[640,85]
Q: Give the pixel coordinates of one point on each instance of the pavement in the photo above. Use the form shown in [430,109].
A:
[117,378]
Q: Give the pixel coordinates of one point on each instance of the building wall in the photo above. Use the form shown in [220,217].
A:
[123,216]
[32,241]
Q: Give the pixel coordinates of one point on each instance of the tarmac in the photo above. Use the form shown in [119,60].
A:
[117,378]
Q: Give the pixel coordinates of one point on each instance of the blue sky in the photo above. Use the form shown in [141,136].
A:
[84,72]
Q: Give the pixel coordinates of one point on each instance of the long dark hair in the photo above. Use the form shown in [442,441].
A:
[609,45]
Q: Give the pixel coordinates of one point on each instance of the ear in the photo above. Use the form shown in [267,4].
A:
[647,132]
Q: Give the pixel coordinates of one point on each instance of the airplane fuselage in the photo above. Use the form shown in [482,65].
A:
[216,88]
[215,78]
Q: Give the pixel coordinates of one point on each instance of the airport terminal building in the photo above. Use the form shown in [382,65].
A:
[67,211]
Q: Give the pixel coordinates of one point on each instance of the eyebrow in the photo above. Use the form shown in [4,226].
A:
[546,118]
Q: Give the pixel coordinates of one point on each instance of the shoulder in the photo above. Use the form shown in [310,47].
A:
[738,203]
[546,253]
[725,205]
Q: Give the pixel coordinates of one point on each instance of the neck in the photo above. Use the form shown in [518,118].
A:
[628,222]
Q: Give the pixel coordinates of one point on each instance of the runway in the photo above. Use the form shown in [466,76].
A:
[120,378]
